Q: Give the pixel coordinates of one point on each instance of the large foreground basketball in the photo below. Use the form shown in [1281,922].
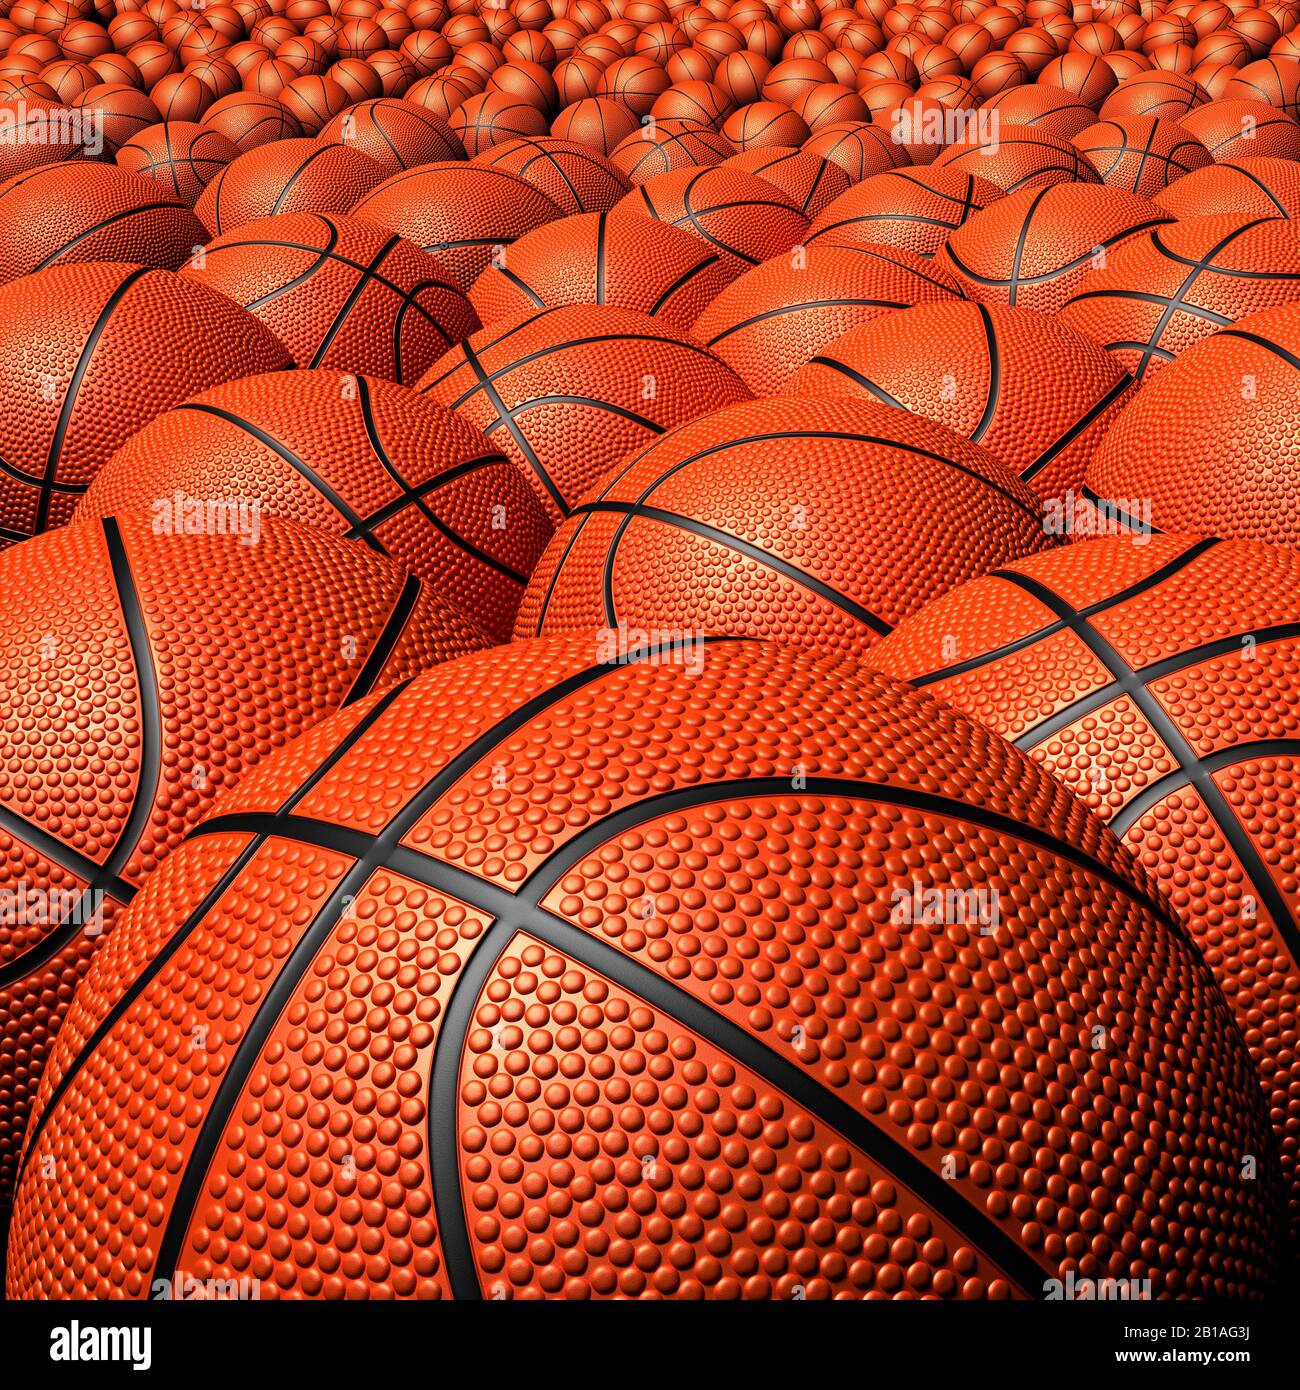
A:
[818,523]
[692,1034]
[89,354]
[145,661]
[1159,682]
[358,456]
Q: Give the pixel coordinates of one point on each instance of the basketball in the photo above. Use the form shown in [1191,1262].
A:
[145,668]
[287,176]
[858,147]
[594,258]
[1204,446]
[181,156]
[1142,154]
[819,545]
[1234,128]
[1020,157]
[1040,106]
[1106,662]
[664,146]
[1170,287]
[249,121]
[460,213]
[1036,395]
[740,215]
[85,328]
[1031,249]
[1265,187]
[810,182]
[111,216]
[355,455]
[339,293]
[567,392]
[768,322]
[574,177]
[395,134]
[913,209]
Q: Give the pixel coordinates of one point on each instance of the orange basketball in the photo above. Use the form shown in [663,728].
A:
[492,118]
[145,669]
[740,215]
[1150,680]
[599,124]
[809,181]
[61,213]
[764,123]
[1272,80]
[1142,154]
[460,213]
[1206,446]
[287,176]
[1170,287]
[1233,129]
[182,156]
[91,353]
[592,258]
[339,293]
[358,456]
[1033,247]
[249,121]
[121,111]
[859,148]
[314,98]
[821,523]
[1087,75]
[1018,157]
[1168,94]
[767,323]
[663,146]
[567,392]
[1268,186]
[1043,107]
[704,103]
[1037,396]
[587,1045]
[913,209]
[574,177]
[395,134]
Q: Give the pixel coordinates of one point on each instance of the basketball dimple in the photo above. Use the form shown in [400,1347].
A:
[567,392]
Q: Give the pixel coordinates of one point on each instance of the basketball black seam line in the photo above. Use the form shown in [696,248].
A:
[1104,504]
[297,174]
[321,255]
[556,572]
[1047,276]
[712,259]
[520,285]
[69,403]
[600,257]
[1022,238]
[801,306]
[171,944]
[513,912]
[1195,270]
[1159,670]
[1084,422]
[852,374]
[995,375]
[385,643]
[506,416]
[282,451]
[1275,348]
[357,290]
[34,481]
[844,436]
[1180,749]
[107,877]
[910,218]
[602,407]
[327,917]
[415,496]
[1263,188]
[635,511]
[1151,581]
[1171,782]
[99,227]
